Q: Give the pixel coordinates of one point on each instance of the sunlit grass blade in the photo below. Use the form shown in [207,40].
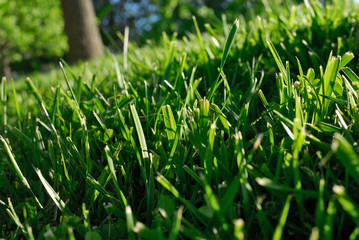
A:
[148,167]
[347,155]
[147,233]
[329,220]
[351,74]
[114,177]
[328,81]
[130,222]
[14,216]
[239,230]
[345,59]
[270,184]
[176,224]
[141,135]
[229,42]
[34,90]
[355,234]
[320,210]
[54,196]
[170,123]
[278,61]
[225,53]
[68,84]
[282,220]
[347,203]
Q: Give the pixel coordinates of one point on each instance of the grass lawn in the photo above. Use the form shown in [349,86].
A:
[248,130]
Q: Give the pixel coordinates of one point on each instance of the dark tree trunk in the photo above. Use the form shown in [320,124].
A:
[82,31]
[5,65]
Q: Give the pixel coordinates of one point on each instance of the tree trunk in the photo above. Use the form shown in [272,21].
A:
[82,31]
[5,65]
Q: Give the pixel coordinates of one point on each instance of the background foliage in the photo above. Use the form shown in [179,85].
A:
[31,32]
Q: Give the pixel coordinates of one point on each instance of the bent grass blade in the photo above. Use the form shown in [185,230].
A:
[18,171]
[54,196]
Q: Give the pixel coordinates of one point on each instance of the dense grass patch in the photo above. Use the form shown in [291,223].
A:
[248,131]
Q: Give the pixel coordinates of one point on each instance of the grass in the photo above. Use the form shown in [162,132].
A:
[249,135]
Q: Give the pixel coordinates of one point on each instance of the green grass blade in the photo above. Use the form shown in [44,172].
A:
[114,177]
[347,155]
[34,90]
[167,185]
[351,75]
[278,61]
[14,216]
[270,184]
[18,170]
[147,233]
[320,210]
[3,100]
[170,123]
[141,135]
[17,107]
[229,42]
[282,220]
[347,203]
[346,58]
[329,220]
[176,224]
[227,48]
[54,196]
[328,81]
[203,49]
[130,222]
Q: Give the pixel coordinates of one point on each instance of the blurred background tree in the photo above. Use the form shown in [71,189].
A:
[31,33]
[82,31]
[147,19]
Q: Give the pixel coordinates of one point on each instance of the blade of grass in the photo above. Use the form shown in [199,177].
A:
[347,155]
[114,177]
[18,170]
[54,196]
[282,220]
[225,53]
[130,222]
[167,185]
[17,107]
[176,224]
[347,203]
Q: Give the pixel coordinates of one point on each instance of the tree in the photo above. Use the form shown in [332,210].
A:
[82,31]
[30,29]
